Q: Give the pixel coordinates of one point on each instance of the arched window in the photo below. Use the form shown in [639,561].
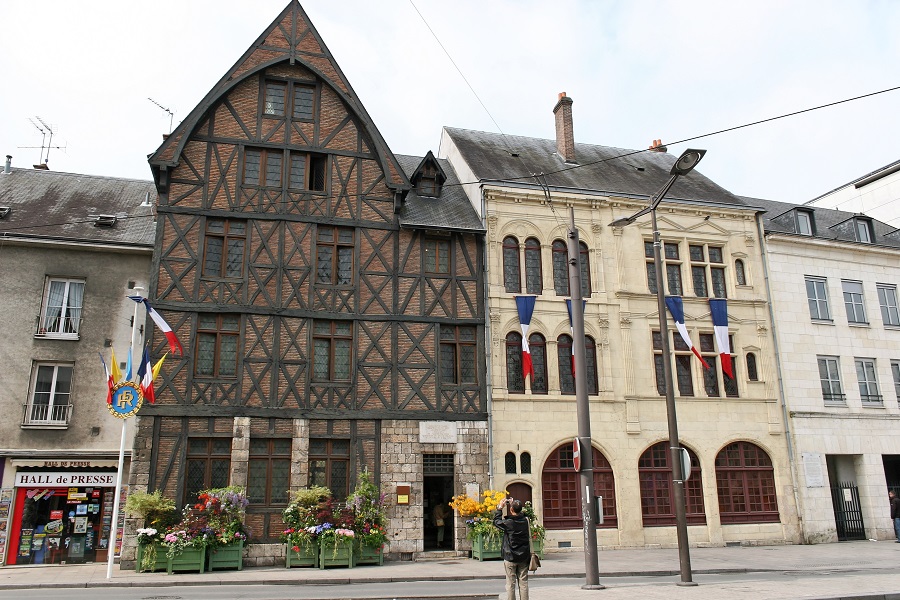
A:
[512,279]
[510,462]
[752,375]
[515,382]
[538,348]
[657,501]
[746,483]
[560,268]
[525,463]
[561,491]
[534,283]
[564,359]
[585,270]
[739,273]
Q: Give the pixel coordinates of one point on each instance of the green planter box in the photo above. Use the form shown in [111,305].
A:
[308,556]
[485,549]
[366,555]
[190,559]
[159,564]
[538,547]
[229,556]
[336,556]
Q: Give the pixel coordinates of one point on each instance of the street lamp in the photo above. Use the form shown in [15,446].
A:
[684,165]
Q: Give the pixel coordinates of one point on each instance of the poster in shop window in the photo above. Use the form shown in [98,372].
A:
[80,524]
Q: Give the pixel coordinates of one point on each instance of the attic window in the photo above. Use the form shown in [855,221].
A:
[863,230]
[428,184]
[106,221]
[804,222]
[4,211]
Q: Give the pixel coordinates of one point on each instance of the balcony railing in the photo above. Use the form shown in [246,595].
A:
[872,399]
[58,326]
[835,398]
[47,415]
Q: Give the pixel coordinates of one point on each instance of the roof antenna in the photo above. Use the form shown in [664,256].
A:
[44,129]
[171,114]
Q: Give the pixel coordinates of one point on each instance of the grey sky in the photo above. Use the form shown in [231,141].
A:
[637,71]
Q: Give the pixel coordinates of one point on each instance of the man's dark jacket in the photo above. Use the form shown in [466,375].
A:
[895,507]
[515,537]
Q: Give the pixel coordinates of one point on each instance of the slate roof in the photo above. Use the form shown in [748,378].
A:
[641,174]
[829,224]
[451,211]
[50,205]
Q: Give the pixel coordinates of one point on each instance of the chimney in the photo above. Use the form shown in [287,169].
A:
[657,146]
[8,169]
[565,136]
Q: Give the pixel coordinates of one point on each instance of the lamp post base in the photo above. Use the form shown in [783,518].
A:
[596,586]
[687,583]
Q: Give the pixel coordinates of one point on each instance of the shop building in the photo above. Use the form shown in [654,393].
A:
[73,247]
[329,297]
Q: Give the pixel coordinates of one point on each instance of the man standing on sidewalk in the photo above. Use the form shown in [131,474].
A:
[895,513]
[515,551]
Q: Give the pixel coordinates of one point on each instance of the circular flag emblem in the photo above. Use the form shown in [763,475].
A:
[126,400]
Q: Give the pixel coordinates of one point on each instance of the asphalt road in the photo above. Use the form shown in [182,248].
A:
[792,583]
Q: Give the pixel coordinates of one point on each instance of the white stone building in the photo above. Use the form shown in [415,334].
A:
[877,194]
[833,280]
[741,488]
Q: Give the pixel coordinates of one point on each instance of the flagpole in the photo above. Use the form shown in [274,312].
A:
[114,524]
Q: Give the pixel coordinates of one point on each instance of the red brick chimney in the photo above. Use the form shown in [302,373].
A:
[565,135]
[657,146]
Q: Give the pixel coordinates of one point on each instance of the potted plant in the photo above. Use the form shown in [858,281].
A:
[335,546]
[486,539]
[370,520]
[225,511]
[157,512]
[538,533]
[300,517]
[187,541]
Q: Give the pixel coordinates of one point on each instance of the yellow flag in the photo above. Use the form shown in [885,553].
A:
[158,366]
[114,369]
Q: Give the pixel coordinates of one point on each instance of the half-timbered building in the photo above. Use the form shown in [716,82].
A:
[328,295]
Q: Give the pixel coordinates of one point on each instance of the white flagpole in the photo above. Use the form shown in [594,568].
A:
[114,525]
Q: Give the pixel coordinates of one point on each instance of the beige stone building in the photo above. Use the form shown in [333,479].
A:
[741,488]
[833,282]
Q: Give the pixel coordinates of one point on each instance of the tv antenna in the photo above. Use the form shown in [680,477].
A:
[44,129]
[171,114]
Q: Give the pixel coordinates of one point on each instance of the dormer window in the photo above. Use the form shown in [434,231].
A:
[863,230]
[804,222]
[105,221]
[427,184]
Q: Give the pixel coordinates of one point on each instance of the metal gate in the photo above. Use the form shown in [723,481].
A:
[847,512]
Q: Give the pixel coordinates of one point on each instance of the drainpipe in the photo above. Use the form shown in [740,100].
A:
[778,369]
[487,345]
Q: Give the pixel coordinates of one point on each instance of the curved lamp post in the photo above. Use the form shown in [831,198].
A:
[684,165]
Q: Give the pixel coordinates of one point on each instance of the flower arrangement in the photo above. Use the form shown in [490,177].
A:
[368,507]
[301,517]
[537,530]
[224,510]
[148,535]
[193,531]
[480,521]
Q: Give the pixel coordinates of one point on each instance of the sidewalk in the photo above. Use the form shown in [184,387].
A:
[862,564]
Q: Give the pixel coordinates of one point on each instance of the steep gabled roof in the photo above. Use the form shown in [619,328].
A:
[451,211]
[290,38]
[830,224]
[54,206]
[497,157]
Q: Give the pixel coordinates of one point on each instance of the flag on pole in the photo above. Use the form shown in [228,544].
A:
[145,377]
[114,369]
[174,344]
[719,311]
[572,327]
[676,307]
[109,380]
[525,306]
[128,368]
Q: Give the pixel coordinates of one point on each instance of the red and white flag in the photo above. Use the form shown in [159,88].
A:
[525,306]
[145,377]
[109,380]
[174,344]
[718,309]
[676,307]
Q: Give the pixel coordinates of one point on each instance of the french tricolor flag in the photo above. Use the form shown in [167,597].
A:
[572,327]
[525,306]
[174,344]
[676,307]
[718,309]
